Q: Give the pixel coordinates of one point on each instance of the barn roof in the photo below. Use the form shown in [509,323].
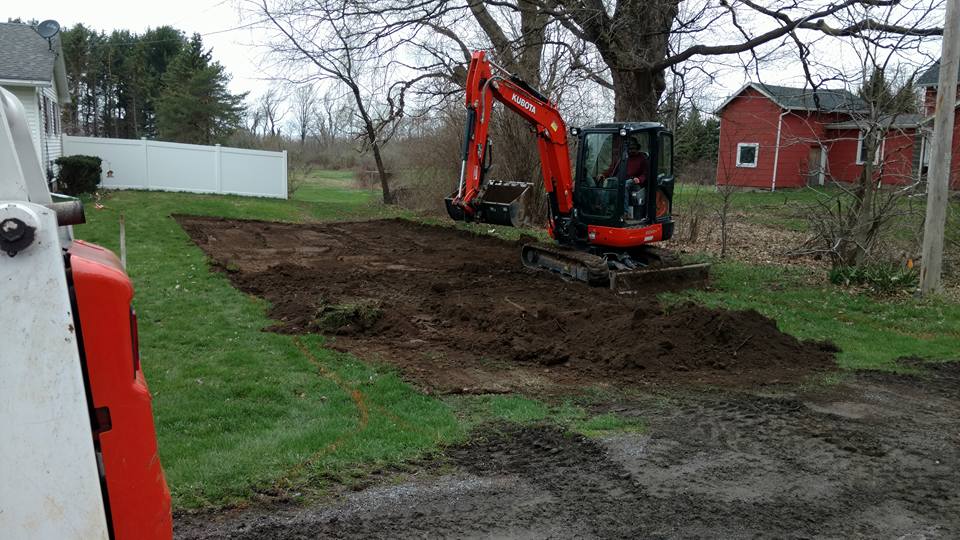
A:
[930,77]
[899,121]
[24,55]
[804,99]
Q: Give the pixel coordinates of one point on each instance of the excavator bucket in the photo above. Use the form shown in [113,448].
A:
[500,203]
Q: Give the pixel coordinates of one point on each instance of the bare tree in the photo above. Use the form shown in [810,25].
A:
[304,111]
[272,110]
[850,225]
[722,209]
[331,38]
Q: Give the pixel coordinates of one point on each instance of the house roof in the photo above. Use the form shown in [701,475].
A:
[804,99]
[898,121]
[24,55]
[27,58]
[930,77]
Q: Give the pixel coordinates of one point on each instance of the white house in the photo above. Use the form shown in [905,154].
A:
[33,70]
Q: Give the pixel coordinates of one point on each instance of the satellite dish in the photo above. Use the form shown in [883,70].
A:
[48,28]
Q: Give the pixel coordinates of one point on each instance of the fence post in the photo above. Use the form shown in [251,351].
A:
[146,163]
[217,168]
[286,185]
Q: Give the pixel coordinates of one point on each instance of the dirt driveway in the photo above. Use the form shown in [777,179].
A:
[752,454]
[876,457]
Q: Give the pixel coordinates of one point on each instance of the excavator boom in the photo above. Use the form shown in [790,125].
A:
[477,199]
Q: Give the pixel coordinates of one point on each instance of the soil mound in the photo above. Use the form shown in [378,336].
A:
[459,313]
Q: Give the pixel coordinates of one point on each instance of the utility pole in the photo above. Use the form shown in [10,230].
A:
[938,178]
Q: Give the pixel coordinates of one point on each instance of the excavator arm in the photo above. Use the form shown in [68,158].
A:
[476,199]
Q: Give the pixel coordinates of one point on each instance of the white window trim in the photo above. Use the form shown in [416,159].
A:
[877,158]
[756,154]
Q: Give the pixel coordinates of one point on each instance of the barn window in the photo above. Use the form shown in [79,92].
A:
[747,154]
[862,150]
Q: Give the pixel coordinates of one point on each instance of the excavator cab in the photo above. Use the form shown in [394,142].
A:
[624,175]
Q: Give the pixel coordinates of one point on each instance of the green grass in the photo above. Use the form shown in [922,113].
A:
[872,332]
[781,209]
[477,410]
[239,410]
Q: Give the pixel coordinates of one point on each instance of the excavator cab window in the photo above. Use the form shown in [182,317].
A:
[598,188]
[636,175]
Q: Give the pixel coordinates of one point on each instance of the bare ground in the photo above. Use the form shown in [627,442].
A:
[457,312]
[746,456]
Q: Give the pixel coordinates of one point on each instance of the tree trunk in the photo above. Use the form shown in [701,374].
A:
[631,41]
[862,219]
[636,94]
[382,172]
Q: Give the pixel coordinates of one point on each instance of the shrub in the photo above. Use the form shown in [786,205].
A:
[879,278]
[78,174]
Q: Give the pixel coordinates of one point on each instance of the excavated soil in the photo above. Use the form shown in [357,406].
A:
[458,313]
[875,457]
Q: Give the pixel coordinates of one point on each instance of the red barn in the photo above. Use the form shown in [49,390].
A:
[779,137]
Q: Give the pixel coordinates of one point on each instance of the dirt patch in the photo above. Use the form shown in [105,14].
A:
[457,312]
[873,458]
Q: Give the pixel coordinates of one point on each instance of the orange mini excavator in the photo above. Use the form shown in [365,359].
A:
[604,215]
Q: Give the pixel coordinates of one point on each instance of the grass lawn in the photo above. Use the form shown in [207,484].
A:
[871,332]
[240,411]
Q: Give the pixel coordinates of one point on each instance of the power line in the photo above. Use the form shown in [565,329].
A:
[205,34]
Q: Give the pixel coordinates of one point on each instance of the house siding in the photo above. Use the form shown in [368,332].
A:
[930,100]
[51,141]
[48,146]
[749,118]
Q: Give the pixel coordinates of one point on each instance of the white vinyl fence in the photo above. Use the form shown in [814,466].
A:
[143,164]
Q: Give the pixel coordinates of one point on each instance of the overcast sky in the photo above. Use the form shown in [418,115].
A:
[216,20]
[234,46]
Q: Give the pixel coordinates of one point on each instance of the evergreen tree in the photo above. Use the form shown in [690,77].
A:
[696,139]
[885,97]
[195,105]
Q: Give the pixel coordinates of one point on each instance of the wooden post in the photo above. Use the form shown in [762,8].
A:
[938,179]
[123,242]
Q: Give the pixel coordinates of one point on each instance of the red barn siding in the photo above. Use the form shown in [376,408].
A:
[897,164]
[750,118]
[898,157]
[842,155]
[930,100]
[801,131]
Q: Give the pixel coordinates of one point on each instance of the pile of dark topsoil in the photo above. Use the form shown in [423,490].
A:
[457,312]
